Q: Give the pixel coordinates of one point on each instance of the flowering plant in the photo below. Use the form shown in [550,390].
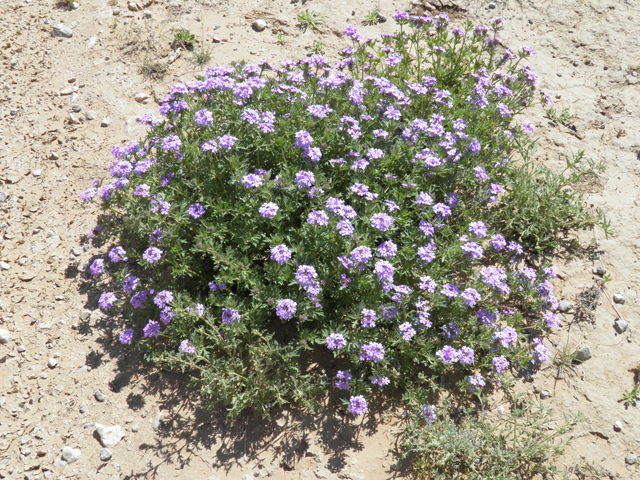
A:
[364,211]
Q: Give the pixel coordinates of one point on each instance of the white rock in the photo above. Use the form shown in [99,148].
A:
[92,42]
[69,91]
[5,336]
[37,173]
[141,97]
[61,30]
[110,436]
[147,14]
[216,40]
[4,266]
[259,25]
[617,426]
[70,455]
[52,363]
[105,122]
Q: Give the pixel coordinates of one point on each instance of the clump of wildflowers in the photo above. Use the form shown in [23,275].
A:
[359,209]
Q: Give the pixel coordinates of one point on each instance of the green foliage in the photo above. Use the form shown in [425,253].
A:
[316,49]
[631,397]
[477,445]
[202,55]
[562,118]
[185,39]
[372,18]
[281,38]
[404,158]
[310,19]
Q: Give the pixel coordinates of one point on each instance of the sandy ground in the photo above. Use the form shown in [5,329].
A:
[588,58]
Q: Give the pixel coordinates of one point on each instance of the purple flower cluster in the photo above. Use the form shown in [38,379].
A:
[381,221]
[196,210]
[372,351]
[336,341]
[229,315]
[280,254]
[117,254]
[358,405]
[268,210]
[343,380]
[187,347]
[286,309]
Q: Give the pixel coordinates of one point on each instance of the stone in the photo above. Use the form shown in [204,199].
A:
[618,298]
[85,315]
[75,5]
[500,410]
[259,25]
[61,30]
[564,306]
[68,91]
[70,455]
[14,111]
[600,270]
[131,123]
[3,197]
[157,422]
[5,336]
[21,349]
[544,394]
[491,5]
[83,408]
[134,7]
[346,433]
[135,428]
[90,115]
[110,436]
[76,108]
[105,122]
[583,354]
[92,42]
[105,455]
[37,173]
[115,12]
[617,426]
[620,326]
[99,396]
[142,97]
[147,14]
[216,40]
[54,156]
[52,363]
[631,459]
[73,119]
[4,266]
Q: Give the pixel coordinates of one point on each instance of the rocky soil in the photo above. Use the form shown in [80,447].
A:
[75,404]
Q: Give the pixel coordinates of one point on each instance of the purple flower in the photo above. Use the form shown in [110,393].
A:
[227,142]
[551,319]
[449,290]
[345,227]
[498,242]
[252,180]
[427,254]
[126,336]
[387,249]
[303,140]
[97,267]
[428,413]
[268,210]
[361,255]
[139,299]
[319,111]
[171,144]
[447,355]
[407,331]
[401,15]
[442,210]
[209,146]
[375,154]
[196,210]
[306,275]
[424,199]
[142,190]
[392,113]
[515,248]
[550,272]
[335,341]
[286,309]
[130,284]
[88,195]
[318,217]
[507,336]
[380,380]
[384,270]
[343,380]
[372,351]
[368,318]
[466,356]
[473,250]
[477,380]
[117,254]
[107,300]
[495,277]
[500,363]
[541,353]
[281,254]
[480,174]
[471,297]
[187,347]
[152,254]
[152,329]
[305,179]
[166,315]
[162,298]
[204,118]
[358,405]
[426,228]
[229,315]
[381,221]
[479,229]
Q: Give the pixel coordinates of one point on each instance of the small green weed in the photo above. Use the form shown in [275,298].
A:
[316,48]
[562,118]
[563,360]
[310,19]
[631,397]
[154,69]
[202,55]
[281,39]
[185,39]
[372,18]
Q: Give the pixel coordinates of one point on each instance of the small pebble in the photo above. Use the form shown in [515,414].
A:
[77,108]
[583,354]
[52,363]
[90,115]
[105,454]
[135,428]
[600,270]
[618,298]
[21,349]
[544,394]
[620,326]
[100,397]
[259,25]
[617,426]
[632,459]
[83,409]
[105,122]
[564,306]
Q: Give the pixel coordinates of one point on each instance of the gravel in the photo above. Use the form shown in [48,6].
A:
[564,306]
[259,25]
[583,354]
[5,336]
[52,363]
[70,455]
[61,30]
[100,397]
[620,326]
[105,454]
[110,436]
